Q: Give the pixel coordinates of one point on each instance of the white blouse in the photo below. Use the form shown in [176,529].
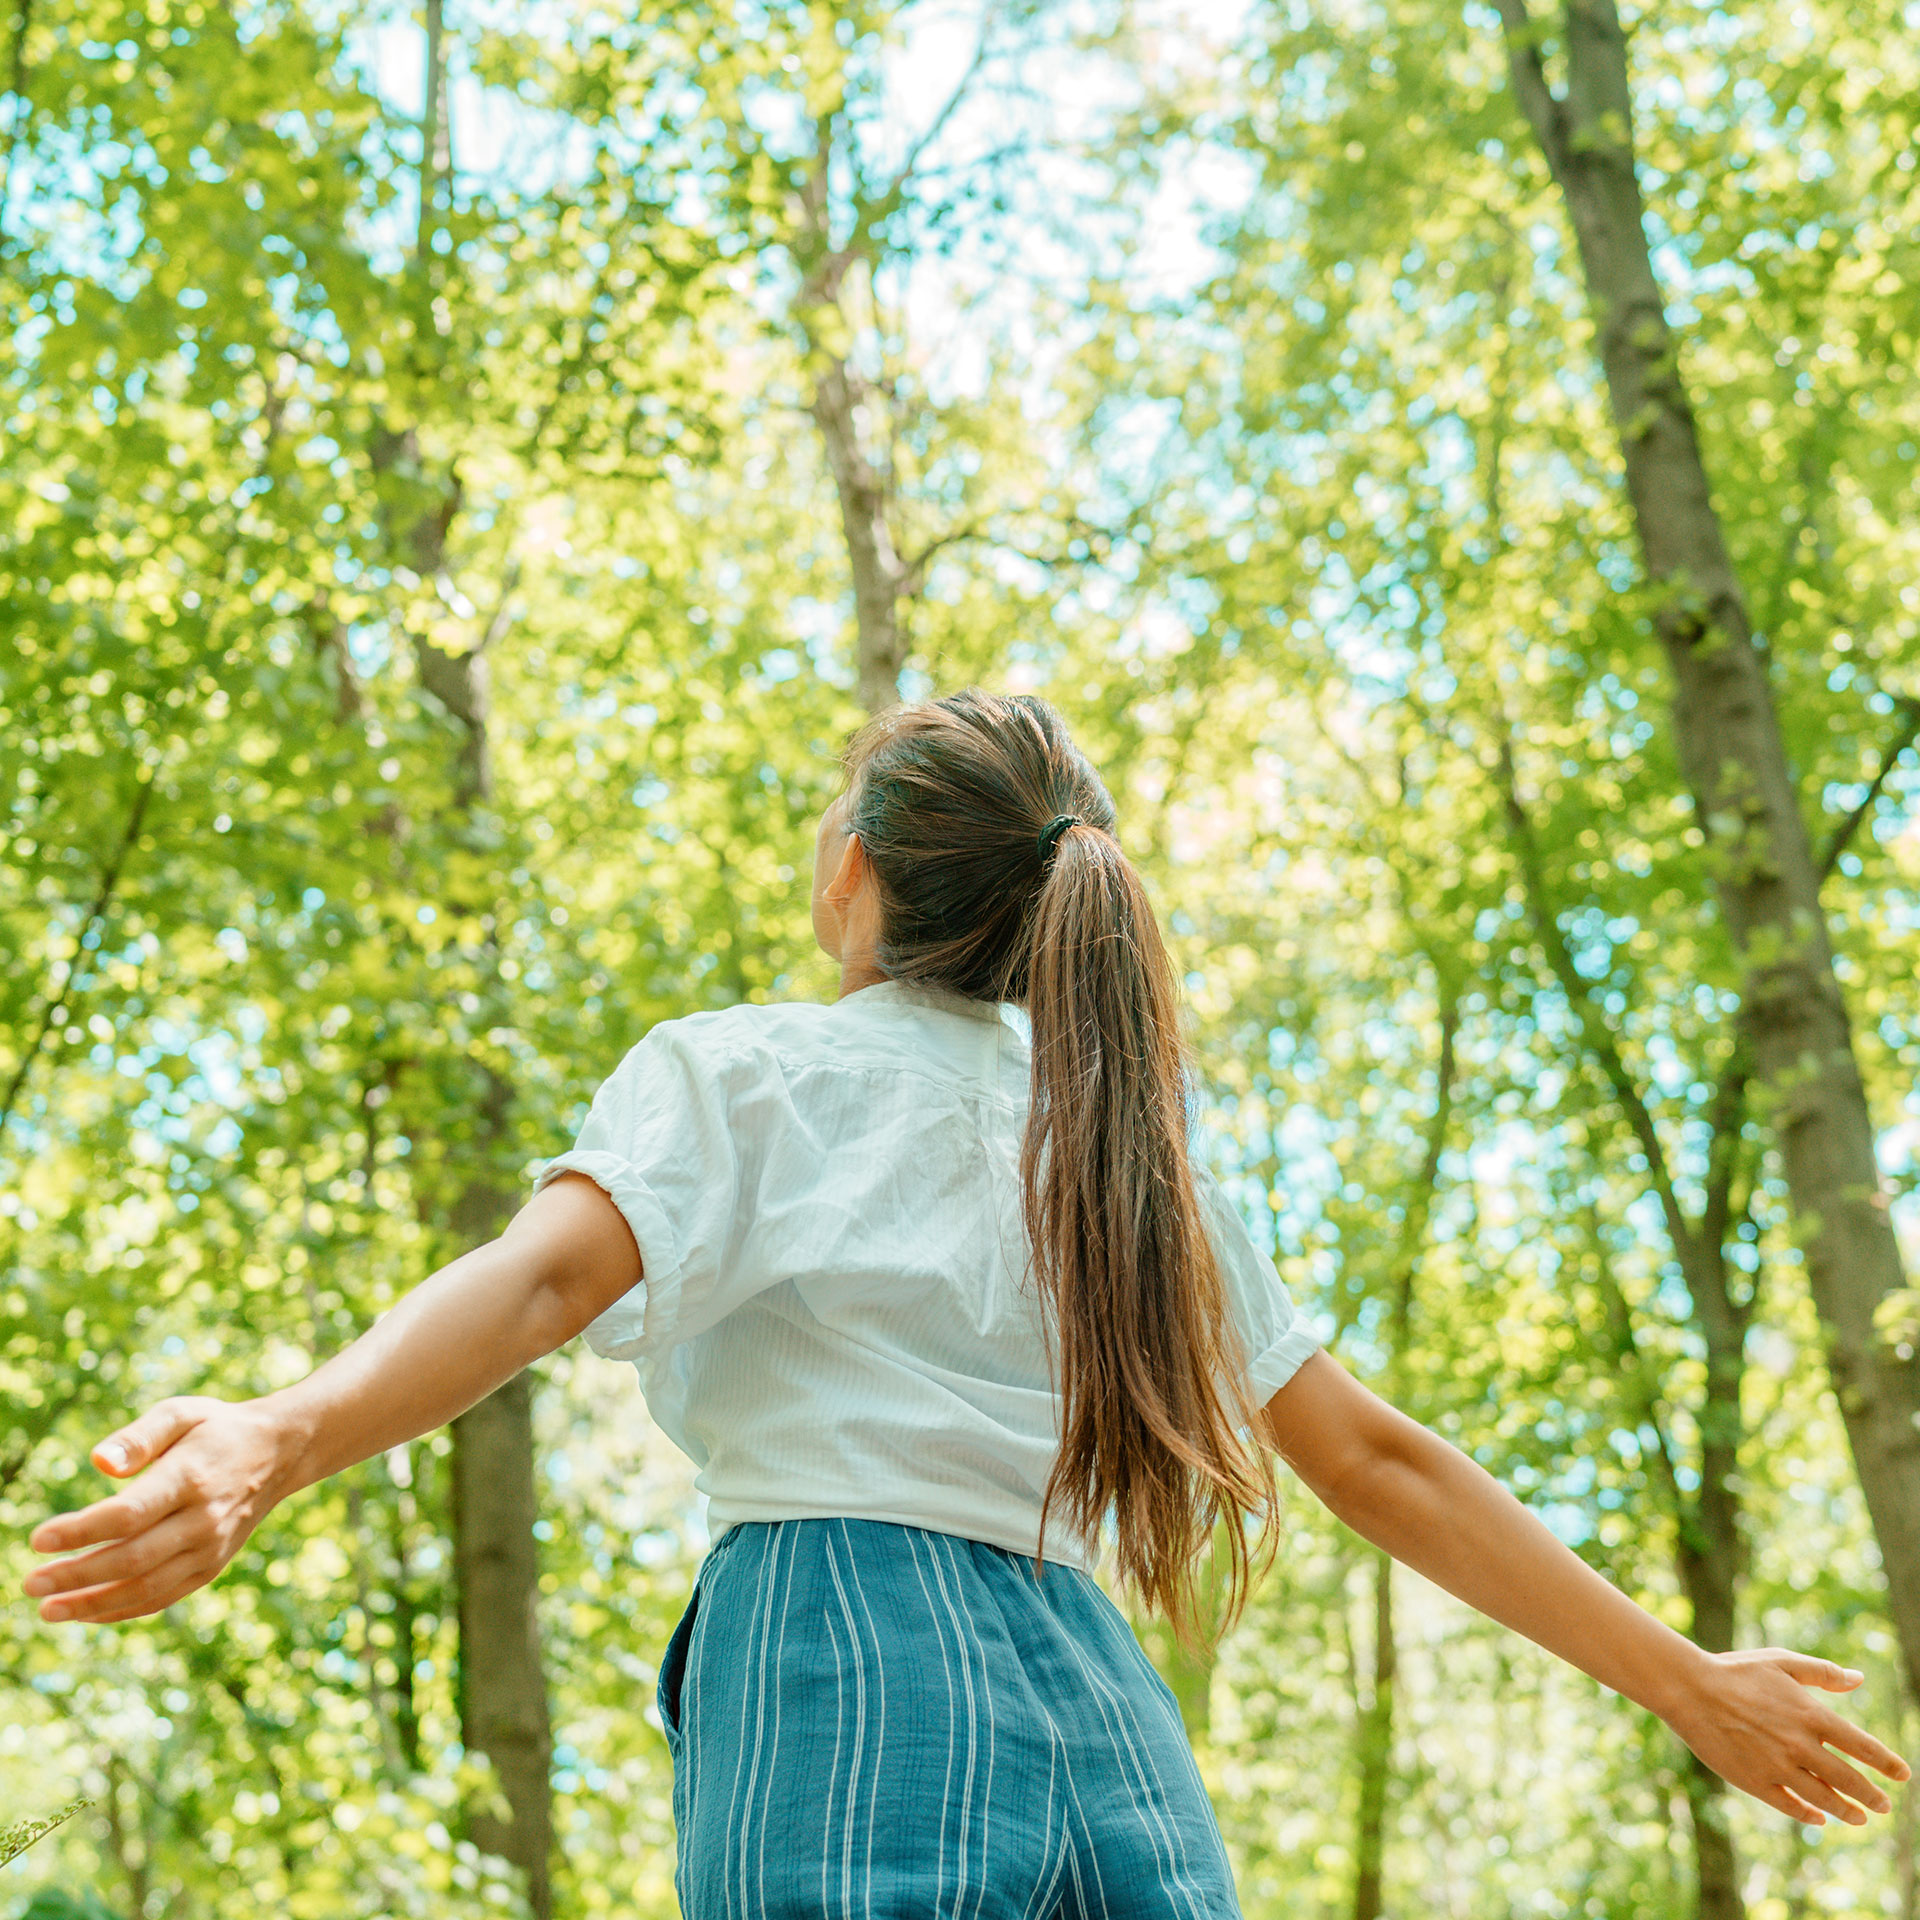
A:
[835,1316]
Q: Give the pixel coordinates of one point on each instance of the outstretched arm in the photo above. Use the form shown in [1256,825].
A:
[213,1470]
[1748,1715]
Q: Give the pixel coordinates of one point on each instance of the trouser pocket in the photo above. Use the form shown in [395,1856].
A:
[673,1672]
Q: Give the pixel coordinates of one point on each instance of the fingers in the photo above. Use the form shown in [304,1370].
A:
[118,1518]
[1833,1731]
[128,1599]
[1785,1800]
[121,1454]
[146,1439]
[1810,1787]
[121,1560]
[1835,1772]
[1811,1672]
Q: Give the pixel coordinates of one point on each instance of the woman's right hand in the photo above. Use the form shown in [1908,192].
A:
[204,1474]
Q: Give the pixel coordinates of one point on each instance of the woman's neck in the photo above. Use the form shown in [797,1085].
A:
[858,971]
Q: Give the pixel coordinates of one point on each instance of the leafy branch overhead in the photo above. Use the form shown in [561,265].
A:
[16,1839]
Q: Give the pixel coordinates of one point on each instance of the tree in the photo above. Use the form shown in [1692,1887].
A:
[1765,870]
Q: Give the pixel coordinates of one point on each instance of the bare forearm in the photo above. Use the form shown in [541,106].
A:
[204,1472]
[1749,1715]
[449,1343]
[1434,1509]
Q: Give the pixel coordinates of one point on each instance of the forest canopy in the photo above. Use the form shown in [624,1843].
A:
[466,473]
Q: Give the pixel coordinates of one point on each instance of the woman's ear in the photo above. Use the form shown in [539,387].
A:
[849,874]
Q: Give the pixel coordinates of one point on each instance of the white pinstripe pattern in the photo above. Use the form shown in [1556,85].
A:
[1042,1895]
[944,1543]
[1087,1847]
[946,1785]
[1140,1752]
[859,1741]
[773,1750]
[907,1818]
[740,1742]
[833,1773]
[880,1686]
[757,1693]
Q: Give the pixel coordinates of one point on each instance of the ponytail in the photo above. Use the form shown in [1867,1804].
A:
[991,840]
[1148,1357]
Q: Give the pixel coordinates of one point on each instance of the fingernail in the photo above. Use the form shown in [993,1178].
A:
[1853,1673]
[113,1453]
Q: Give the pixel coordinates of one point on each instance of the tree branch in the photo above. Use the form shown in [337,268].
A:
[496,629]
[18,108]
[1627,1349]
[913,572]
[103,899]
[1580,995]
[889,202]
[1545,113]
[1909,709]
[1413,1227]
[1725,1119]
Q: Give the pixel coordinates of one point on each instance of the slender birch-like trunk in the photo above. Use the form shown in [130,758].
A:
[1764,871]
[1376,1722]
[501,1678]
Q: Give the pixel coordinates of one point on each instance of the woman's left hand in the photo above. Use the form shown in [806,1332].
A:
[1754,1719]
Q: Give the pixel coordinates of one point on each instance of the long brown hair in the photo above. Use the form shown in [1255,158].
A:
[992,843]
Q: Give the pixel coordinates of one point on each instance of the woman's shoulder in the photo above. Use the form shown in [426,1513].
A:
[887,1030]
[751,1028]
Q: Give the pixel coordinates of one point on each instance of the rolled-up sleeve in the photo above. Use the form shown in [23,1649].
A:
[1276,1336]
[658,1142]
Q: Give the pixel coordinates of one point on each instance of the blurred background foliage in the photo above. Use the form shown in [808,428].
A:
[464,475]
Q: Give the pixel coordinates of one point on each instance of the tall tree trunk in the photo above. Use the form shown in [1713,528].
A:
[503,1696]
[879,581]
[1710,1550]
[1906,1846]
[1376,1751]
[1765,874]
[862,483]
[1376,1723]
[501,1679]
[1711,1557]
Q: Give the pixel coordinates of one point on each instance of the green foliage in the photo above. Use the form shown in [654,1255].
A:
[17,1838]
[52,1904]
[1298,548]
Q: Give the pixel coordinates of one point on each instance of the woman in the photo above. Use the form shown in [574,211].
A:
[925,1284]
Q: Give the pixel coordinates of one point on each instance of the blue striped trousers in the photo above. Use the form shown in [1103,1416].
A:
[876,1722]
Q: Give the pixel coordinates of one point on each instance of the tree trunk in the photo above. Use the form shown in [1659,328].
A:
[879,581]
[1906,1846]
[503,1697]
[1376,1751]
[501,1679]
[863,485]
[1765,875]
[502,1682]
[1710,1549]
[1711,1557]
[1376,1724]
